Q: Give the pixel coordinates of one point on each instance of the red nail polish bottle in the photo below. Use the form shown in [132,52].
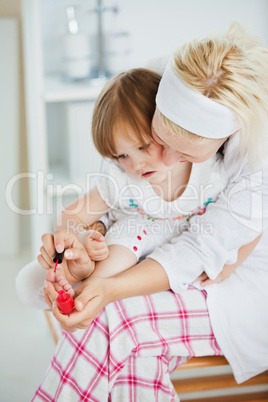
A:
[65,302]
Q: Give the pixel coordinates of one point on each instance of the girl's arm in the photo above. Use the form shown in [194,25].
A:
[78,216]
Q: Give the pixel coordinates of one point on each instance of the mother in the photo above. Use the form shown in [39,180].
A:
[212,98]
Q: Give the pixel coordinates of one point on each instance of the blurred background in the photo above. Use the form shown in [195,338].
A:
[55,57]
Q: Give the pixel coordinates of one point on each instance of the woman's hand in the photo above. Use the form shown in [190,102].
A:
[76,264]
[228,269]
[91,296]
[224,274]
[50,295]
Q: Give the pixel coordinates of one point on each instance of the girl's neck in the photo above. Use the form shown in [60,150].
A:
[175,183]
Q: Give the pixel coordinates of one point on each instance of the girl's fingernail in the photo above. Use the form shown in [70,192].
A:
[45,284]
[59,248]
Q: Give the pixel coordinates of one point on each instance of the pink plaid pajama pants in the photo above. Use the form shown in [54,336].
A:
[130,349]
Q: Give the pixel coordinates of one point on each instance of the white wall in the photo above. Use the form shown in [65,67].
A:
[9,134]
[156,27]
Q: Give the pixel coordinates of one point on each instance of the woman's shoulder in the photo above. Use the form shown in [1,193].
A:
[205,169]
[237,165]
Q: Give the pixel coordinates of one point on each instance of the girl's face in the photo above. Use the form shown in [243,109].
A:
[141,162]
[176,149]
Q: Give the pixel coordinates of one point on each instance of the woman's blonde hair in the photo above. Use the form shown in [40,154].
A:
[232,69]
[127,102]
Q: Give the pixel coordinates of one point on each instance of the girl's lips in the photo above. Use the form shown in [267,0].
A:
[148,174]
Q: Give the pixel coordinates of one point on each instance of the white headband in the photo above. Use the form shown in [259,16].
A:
[193,111]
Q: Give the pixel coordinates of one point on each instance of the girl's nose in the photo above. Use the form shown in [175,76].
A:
[171,156]
[138,163]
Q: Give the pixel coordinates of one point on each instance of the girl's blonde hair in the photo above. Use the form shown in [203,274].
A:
[232,69]
[127,102]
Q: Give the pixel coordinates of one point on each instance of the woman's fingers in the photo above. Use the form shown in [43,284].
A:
[65,240]
[79,255]
[42,262]
[47,251]
[59,240]
[69,241]
[46,256]
[206,283]
[54,307]
[89,302]
[78,319]
[48,244]
[47,298]
[51,292]
[201,277]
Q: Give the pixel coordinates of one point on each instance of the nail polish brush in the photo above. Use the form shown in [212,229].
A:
[58,257]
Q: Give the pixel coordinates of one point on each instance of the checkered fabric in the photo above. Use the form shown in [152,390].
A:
[130,349]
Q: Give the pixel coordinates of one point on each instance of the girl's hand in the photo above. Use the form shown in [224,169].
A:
[95,245]
[91,296]
[76,264]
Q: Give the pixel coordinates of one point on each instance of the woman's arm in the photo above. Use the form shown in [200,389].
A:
[145,278]
[150,277]
[227,270]
[93,294]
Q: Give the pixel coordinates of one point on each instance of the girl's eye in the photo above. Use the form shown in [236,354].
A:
[145,147]
[123,156]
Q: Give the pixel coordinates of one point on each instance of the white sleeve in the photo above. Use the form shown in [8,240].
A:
[238,216]
[105,221]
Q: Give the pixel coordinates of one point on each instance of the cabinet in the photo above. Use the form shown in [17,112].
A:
[58,114]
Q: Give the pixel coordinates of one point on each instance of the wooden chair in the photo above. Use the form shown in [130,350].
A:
[218,381]
[202,383]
